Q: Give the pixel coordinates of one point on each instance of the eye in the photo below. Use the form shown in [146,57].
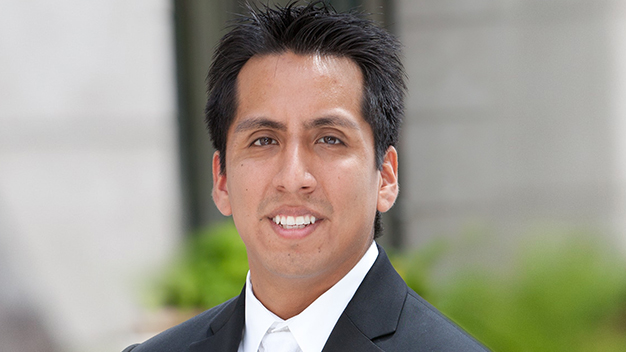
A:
[264,141]
[329,140]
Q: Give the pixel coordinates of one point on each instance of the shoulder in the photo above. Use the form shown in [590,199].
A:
[396,318]
[422,325]
[179,337]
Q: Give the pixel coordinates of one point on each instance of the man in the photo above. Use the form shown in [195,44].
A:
[304,109]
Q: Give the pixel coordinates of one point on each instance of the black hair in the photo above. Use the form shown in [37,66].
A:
[315,28]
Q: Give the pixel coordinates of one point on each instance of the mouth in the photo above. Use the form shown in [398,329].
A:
[289,222]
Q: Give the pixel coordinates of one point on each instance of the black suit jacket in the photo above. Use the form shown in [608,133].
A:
[383,315]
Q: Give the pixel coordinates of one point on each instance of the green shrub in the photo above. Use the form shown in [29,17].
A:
[210,269]
[564,295]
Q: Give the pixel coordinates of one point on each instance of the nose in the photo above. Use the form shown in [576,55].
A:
[294,174]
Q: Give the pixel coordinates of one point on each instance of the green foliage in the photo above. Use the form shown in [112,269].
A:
[210,269]
[565,295]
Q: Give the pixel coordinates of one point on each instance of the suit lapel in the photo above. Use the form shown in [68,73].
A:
[374,311]
[347,337]
[225,331]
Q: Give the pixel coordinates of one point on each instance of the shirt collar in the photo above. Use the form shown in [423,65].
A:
[258,320]
[312,327]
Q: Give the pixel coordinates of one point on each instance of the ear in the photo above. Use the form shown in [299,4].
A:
[388,185]
[220,187]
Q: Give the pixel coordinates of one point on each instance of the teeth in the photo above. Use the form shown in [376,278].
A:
[291,222]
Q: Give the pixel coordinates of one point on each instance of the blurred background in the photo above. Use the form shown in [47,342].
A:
[512,214]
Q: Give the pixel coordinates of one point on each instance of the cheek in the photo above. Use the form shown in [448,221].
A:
[242,174]
[247,185]
[350,181]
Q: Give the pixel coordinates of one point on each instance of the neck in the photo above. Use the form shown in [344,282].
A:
[288,296]
[290,299]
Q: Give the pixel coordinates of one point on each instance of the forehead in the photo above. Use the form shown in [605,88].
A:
[287,83]
[286,65]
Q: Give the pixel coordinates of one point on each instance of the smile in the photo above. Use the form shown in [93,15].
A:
[294,222]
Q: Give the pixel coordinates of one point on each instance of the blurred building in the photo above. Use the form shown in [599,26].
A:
[516,118]
[89,176]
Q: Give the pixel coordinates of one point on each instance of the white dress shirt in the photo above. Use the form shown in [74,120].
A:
[312,327]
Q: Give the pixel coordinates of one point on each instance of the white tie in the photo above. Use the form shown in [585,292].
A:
[278,338]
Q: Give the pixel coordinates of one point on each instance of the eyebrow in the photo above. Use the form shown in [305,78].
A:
[262,122]
[259,122]
[331,121]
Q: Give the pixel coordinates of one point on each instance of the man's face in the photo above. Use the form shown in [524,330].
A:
[301,181]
